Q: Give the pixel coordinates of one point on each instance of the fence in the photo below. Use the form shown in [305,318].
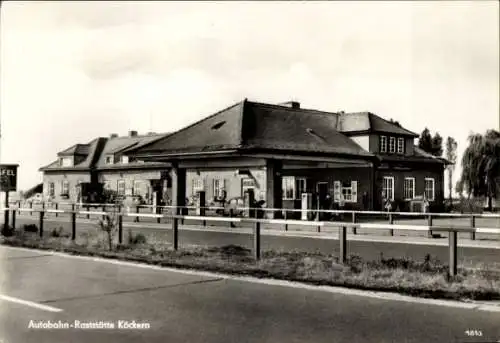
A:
[256,223]
[365,218]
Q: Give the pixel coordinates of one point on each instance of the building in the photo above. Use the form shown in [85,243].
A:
[84,172]
[348,160]
[354,161]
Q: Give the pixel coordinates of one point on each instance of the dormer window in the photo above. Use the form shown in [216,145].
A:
[110,159]
[401,145]
[383,143]
[124,159]
[392,145]
[66,161]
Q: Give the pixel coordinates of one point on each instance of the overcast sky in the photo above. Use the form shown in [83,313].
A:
[72,71]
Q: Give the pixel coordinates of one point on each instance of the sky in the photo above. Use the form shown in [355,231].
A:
[73,71]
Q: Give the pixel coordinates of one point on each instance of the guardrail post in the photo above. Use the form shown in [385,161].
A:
[6,217]
[452,245]
[88,210]
[14,219]
[158,210]
[473,225]
[256,241]
[19,207]
[31,207]
[391,221]
[343,244]
[137,209]
[41,223]
[175,233]
[429,222]
[120,228]
[57,208]
[354,229]
[286,216]
[73,225]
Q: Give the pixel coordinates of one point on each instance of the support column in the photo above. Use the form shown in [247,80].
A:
[178,187]
[178,199]
[273,187]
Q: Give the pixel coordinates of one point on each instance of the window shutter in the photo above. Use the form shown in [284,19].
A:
[337,191]
[354,191]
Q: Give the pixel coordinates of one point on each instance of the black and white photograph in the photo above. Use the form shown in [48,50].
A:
[249,171]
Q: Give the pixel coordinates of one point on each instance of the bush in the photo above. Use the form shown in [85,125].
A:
[7,231]
[134,239]
[30,228]
[57,232]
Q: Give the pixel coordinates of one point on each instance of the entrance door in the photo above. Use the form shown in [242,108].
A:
[322,190]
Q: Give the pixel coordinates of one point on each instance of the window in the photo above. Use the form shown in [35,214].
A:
[246,184]
[388,188]
[51,189]
[383,144]
[66,161]
[300,186]
[198,186]
[409,188]
[401,145]
[218,188]
[288,187]
[429,189]
[392,145]
[121,187]
[136,189]
[124,159]
[110,159]
[345,191]
[65,188]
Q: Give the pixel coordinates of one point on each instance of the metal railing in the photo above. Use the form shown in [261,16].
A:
[256,223]
[311,214]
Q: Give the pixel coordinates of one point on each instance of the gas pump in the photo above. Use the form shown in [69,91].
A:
[306,205]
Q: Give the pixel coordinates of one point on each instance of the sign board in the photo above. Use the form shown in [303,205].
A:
[8,177]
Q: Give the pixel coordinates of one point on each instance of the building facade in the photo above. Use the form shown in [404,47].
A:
[354,161]
[347,160]
[101,170]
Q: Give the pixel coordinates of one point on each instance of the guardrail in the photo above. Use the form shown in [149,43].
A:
[256,223]
[313,214]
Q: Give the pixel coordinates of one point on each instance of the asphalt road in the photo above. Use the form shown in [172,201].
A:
[192,308]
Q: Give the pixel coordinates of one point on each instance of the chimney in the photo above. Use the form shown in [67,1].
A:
[291,104]
[113,135]
[132,133]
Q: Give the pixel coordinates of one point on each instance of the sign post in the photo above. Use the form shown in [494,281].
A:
[8,183]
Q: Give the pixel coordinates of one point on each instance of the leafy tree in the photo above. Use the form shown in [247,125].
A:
[425,141]
[481,166]
[437,145]
[431,144]
[451,156]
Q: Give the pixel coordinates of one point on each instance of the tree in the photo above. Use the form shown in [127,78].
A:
[451,156]
[430,144]
[437,145]
[481,166]
[425,141]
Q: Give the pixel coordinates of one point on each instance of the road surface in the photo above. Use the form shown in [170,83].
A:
[178,307]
